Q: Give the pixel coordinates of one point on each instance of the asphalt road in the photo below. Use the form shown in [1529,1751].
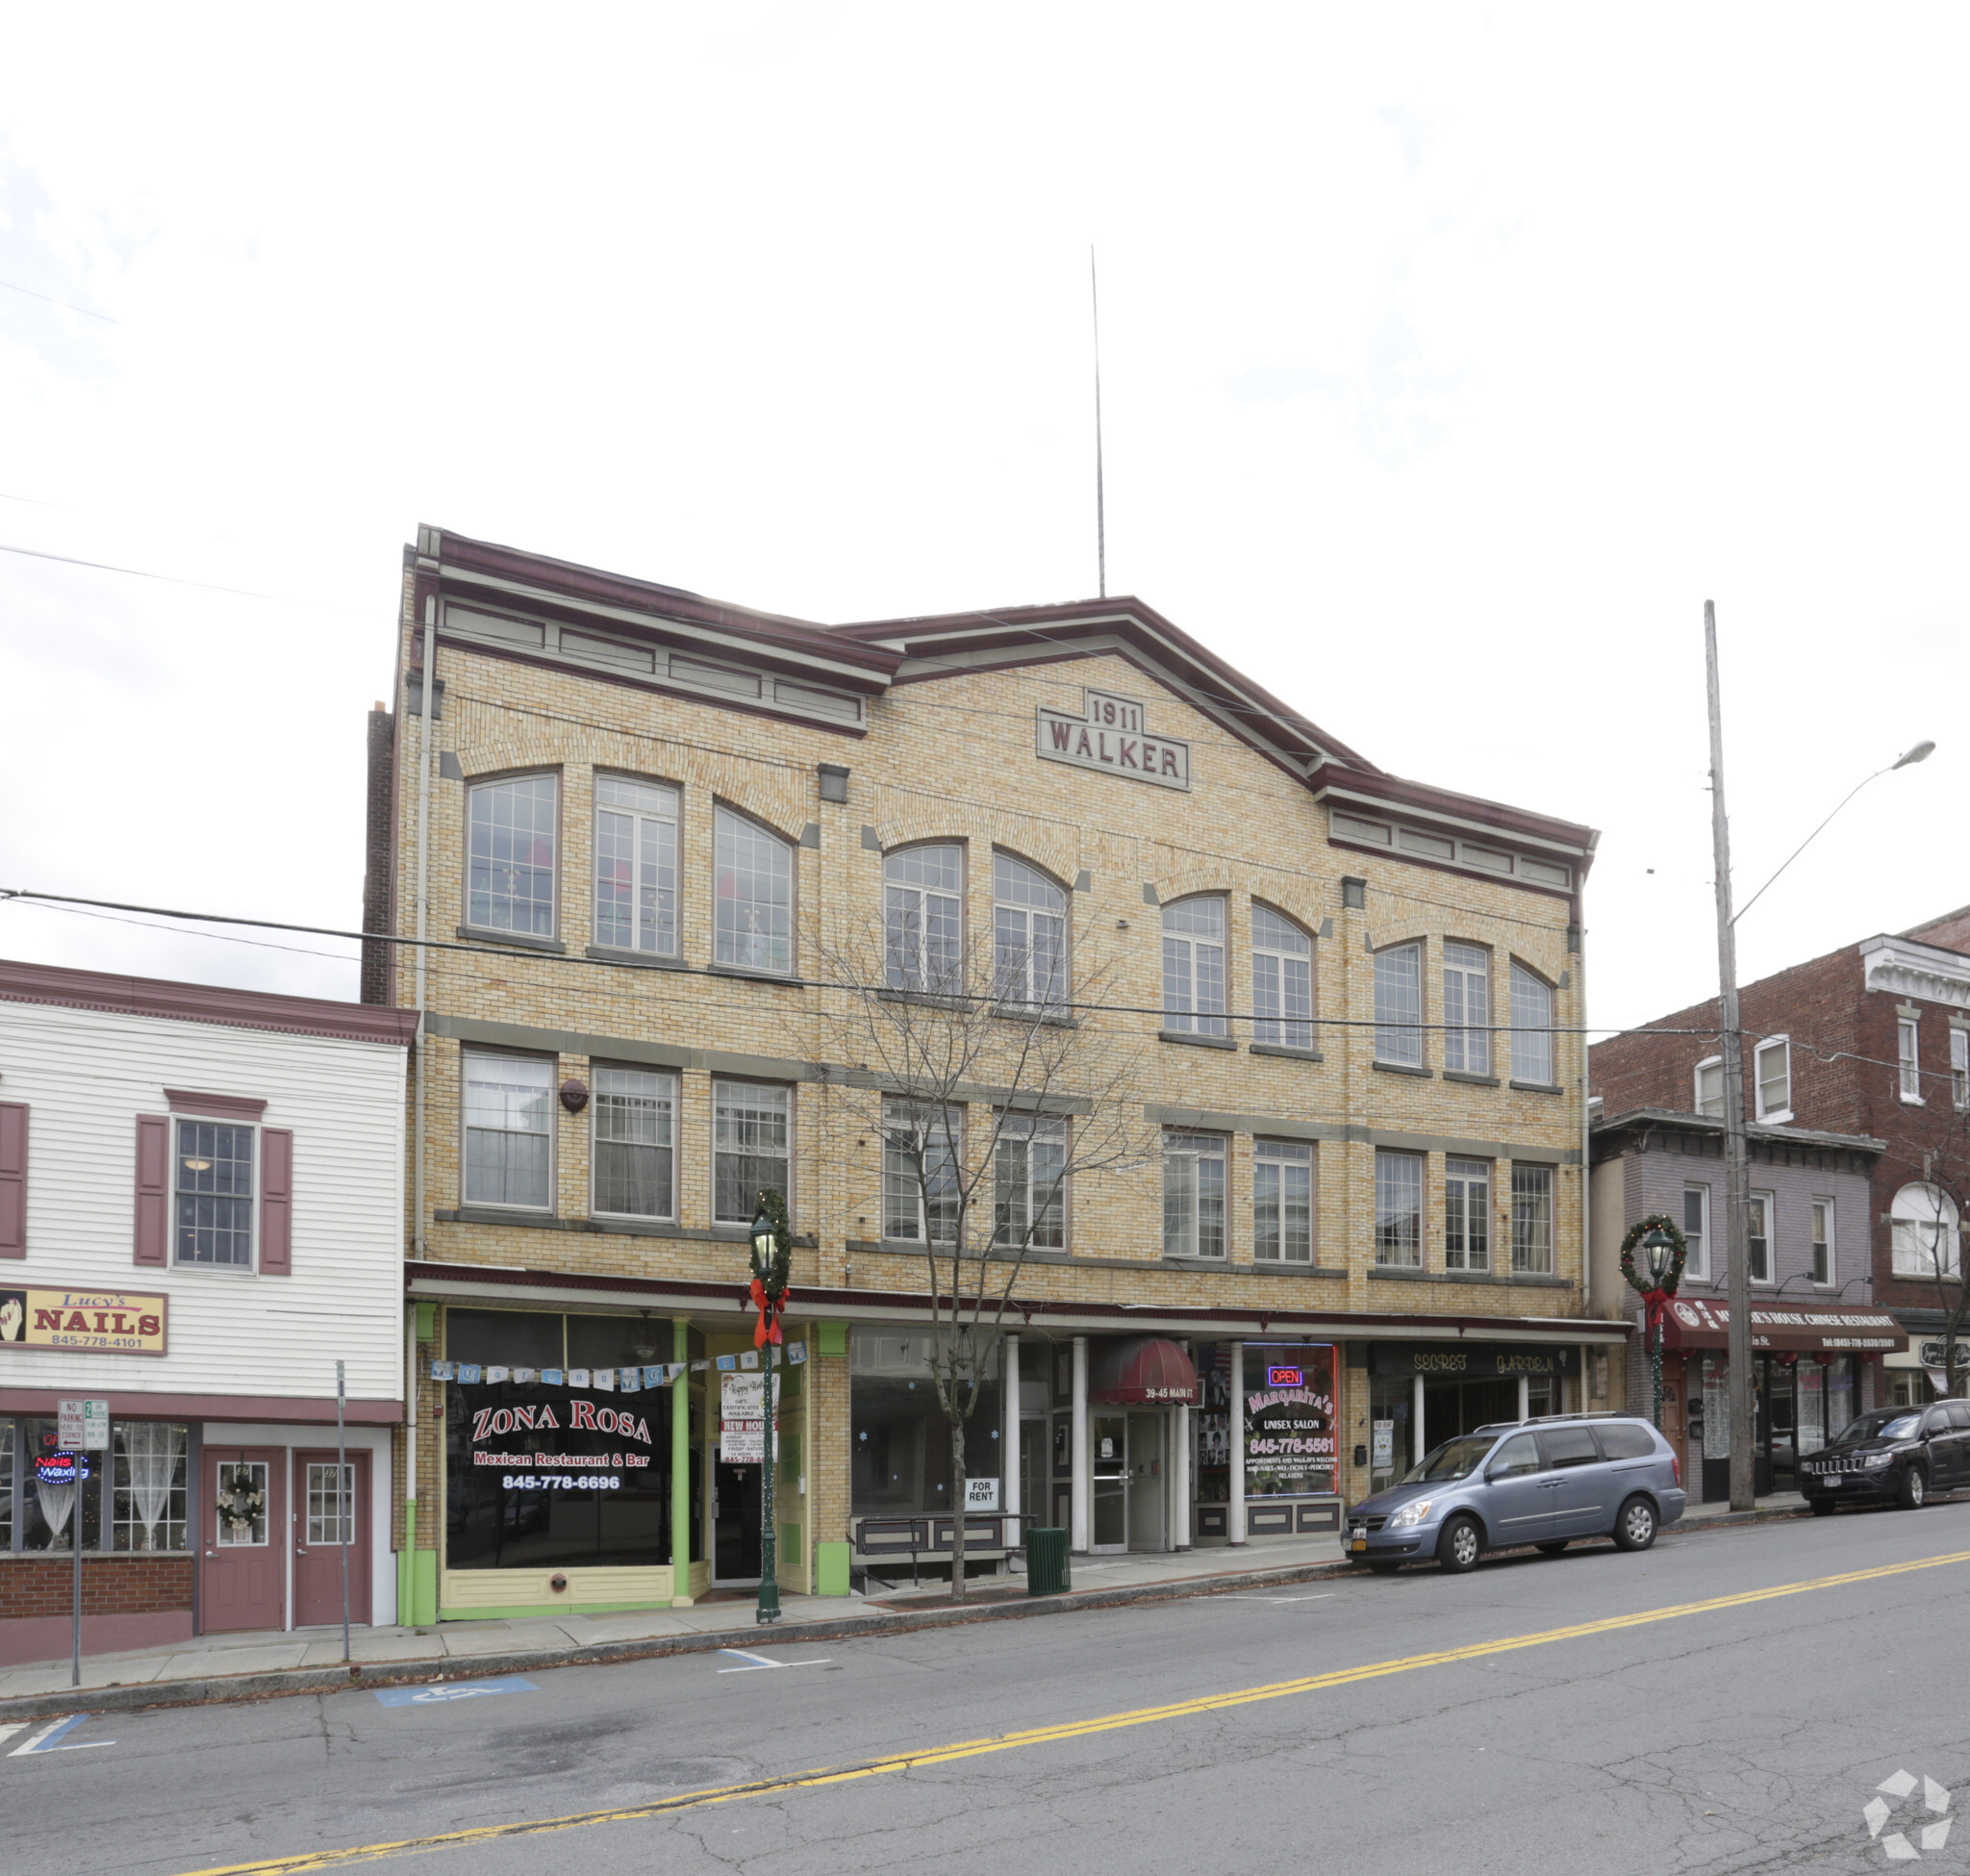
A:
[1560,1734]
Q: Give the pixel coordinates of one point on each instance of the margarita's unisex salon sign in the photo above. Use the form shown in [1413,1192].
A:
[84,1322]
[1110,735]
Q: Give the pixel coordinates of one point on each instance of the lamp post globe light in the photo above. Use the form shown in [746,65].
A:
[1658,1253]
[764,1242]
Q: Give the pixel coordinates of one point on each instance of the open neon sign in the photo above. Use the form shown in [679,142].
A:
[1285,1378]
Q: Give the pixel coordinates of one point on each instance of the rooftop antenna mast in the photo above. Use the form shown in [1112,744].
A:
[1101,499]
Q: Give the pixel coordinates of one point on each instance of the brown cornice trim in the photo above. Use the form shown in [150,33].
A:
[1577,841]
[199,1002]
[1455,872]
[215,1106]
[131,1404]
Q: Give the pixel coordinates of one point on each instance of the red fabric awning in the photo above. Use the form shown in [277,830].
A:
[1696,1322]
[1146,1370]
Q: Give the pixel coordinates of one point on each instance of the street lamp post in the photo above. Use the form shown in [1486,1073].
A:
[1658,1253]
[765,1241]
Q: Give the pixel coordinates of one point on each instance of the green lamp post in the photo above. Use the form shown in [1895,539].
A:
[1659,1257]
[767,1264]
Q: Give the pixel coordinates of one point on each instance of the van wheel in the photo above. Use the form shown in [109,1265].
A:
[1384,1566]
[1912,1490]
[1554,1548]
[1635,1528]
[1460,1546]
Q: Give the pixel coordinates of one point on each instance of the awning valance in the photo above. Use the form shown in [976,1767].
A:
[1145,1370]
[1799,1328]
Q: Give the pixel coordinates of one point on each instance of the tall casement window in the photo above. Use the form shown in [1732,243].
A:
[753,883]
[215,1196]
[1399,1210]
[1282,1202]
[509,1131]
[1533,1220]
[1192,1195]
[1822,1246]
[919,1174]
[1532,1028]
[1467,1009]
[1398,1006]
[1281,982]
[1194,967]
[1773,1068]
[1028,1183]
[1959,1067]
[510,870]
[1466,1215]
[1910,1050]
[922,919]
[1696,1229]
[1925,1232]
[1029,936]
[1759,1261]
[1710,1087]
[635,866]
[636,1154]
[751,1148]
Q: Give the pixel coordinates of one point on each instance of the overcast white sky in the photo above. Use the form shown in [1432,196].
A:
[1453,358]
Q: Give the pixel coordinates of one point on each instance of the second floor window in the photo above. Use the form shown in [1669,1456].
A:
[1281,982]
[1696,1230]
[1467,1009]
[1909,1050]
[1399,1210]
[1028,1174]
[1711,1089]
[1759,1212]
[1398,1006]
[922,919]
[1532,1028]
[1192,1195]
[920,1175]
[510,884]
[636,1118]
[1822,1249]
[635,866]
[751,1148]
[753,873]
[1194,967]
[1959,1067]
[1533,1220]
[1282,1202]
[509,1131]
[1028,935]
[1467,1214]
[215,1196]
[1774,1068]
[1925,1240]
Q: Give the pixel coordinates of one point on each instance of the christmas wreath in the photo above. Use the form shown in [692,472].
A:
[240,1506]
[1655,1298]
[769,1292]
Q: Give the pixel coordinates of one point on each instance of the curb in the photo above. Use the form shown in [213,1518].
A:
[286,1681]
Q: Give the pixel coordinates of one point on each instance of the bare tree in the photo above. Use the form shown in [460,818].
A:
[1930,1250]
[992,1100]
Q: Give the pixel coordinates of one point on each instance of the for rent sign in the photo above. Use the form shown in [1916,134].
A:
[85,1322]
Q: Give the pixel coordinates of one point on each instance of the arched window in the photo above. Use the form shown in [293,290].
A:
[509,886]
[1281,981]
[1926,1235]
[1532,1058]
[1028,935]
[922,918]
[1194,967]
[753,874]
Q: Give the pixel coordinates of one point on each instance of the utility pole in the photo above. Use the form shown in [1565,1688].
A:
[1736,1169]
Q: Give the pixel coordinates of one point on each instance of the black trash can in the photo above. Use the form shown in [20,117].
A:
[1046,1565]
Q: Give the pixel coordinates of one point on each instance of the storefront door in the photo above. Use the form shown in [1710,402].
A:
[1110,1433]
[325,1522]
[1147,1481]
[735,1523]
[244,1570]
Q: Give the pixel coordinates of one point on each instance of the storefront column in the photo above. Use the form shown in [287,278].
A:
[1417,1449]
[1009,1436]
[1077,1494]
[680,1466]
[1181,1522]
[1235,1421]
[1525,1397]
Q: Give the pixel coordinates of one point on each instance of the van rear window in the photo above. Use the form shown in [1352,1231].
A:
[1624,1440]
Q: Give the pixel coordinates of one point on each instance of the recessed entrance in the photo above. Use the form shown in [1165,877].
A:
[1129,1482]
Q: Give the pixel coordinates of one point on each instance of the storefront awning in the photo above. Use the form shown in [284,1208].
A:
[1145,1369]
[1797,1329]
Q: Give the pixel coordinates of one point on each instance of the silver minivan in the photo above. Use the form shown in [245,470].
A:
[1543,1483]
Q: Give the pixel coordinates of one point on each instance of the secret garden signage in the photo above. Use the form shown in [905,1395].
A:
[1110,735]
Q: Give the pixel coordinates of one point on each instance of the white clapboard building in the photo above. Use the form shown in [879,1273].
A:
[201,1212]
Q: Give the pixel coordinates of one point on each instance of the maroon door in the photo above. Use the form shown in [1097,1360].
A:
[245,1523]
[323,1521]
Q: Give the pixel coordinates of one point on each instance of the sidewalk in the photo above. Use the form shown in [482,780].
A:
[306,1661]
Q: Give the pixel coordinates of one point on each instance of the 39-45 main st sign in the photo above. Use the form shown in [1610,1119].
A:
[1109,736]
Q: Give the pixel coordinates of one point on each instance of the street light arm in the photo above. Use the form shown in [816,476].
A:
[1808,842]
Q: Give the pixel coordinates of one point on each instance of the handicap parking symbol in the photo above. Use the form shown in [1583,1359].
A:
[446,1692]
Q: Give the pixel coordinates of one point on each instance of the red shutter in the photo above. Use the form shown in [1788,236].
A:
[153,1239]
[276,1200]
[13,1178]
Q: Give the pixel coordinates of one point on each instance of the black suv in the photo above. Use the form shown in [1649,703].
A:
[1902,1453]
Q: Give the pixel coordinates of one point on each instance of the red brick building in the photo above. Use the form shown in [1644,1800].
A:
[1872,1039]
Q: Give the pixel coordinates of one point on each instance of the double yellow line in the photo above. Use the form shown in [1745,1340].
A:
[1039,1736]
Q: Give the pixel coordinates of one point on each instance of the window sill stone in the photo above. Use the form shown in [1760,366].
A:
[750,976]
[927,1000]
[524,940]
[645,960]
[1286,1053]
[1398,1274]
[1476,1080]
[1540,1087]
[1401,1068]
[1195,1041]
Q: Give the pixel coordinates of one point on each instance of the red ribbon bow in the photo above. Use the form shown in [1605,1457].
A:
[1655,1303]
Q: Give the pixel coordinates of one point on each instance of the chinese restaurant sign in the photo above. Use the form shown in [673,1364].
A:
[84,1322]
[1109,735]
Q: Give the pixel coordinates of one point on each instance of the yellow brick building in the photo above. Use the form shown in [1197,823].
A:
[1338,1011]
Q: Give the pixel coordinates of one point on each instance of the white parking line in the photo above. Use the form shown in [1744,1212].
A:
[1325,1595]
[758,1662]
[44,1739]
[11,1726]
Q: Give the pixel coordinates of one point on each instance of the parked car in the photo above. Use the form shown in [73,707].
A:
[1543,1483]
[1902,1455]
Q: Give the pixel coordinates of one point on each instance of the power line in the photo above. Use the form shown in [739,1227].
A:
[69,305]
[136,572]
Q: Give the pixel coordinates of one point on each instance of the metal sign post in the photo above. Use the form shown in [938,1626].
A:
[82,1426]
[342,1494]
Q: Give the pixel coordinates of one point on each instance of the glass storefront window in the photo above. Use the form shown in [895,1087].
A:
[50,1513]
[147,1478]
[899,1437]
[1290,1435]
[514,1338]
